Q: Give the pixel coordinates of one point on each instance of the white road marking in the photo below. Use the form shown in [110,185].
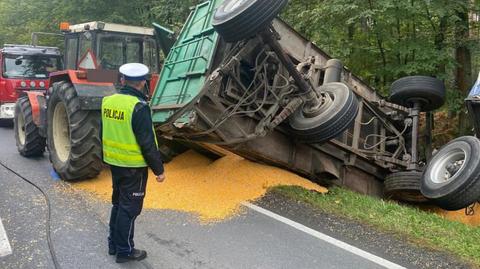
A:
[326,238]
[5,248]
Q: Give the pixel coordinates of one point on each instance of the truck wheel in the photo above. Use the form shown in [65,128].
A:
[237,20]
[337,113]
[430,92]
[404,186]
[73,137]
[452,178]
[27,136]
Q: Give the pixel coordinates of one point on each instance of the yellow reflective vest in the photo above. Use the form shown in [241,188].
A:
[120,147]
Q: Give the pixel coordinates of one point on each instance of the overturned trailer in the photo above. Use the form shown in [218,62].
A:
[258,88]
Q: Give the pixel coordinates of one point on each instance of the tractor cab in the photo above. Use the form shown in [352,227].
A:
[104,47]
[66,118]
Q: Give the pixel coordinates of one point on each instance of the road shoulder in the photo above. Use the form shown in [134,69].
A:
[385,245]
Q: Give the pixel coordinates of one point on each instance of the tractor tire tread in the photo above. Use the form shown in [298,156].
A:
[85,158]
[34,143]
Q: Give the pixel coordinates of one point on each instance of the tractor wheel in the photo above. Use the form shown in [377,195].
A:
[237,20]
[27,136]
[337,113]
[404,186]
[428,91]
[73,137]
[452,177]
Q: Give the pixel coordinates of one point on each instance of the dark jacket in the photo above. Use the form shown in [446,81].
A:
[142,128]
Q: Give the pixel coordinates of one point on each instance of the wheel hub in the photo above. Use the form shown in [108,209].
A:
[61,132]
[21,128]
[421,101]
[448,167]
[326,100]
[453,168]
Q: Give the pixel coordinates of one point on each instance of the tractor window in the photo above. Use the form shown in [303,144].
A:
[150,55]
[134,51]
[85,44]
[116,49]
[71,53]
[31,66]
[111,52]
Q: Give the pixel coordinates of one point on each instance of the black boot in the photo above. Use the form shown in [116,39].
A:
[136,255]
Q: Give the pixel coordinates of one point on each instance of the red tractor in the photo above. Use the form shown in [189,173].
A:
[66,117]
[24,68]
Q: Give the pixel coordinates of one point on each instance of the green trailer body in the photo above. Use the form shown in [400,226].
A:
[188,63]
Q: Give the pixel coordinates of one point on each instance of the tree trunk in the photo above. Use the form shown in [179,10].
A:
[380,47]
[463,73]
[440,42]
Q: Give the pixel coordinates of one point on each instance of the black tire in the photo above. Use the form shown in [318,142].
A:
[75,132]
[237,20]
[170,149]
[332,121]
[27,136]
[459,187]
[430,92]
[167,153]
[404,186]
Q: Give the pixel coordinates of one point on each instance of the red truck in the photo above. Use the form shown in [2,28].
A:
[24,68]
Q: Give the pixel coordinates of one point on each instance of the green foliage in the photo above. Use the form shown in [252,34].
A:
[383,40]
[455,100]
[379,40]
[171,13]
[19,18]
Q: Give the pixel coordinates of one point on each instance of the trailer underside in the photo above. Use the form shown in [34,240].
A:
[372,147]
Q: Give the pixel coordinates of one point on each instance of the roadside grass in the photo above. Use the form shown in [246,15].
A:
[422,228]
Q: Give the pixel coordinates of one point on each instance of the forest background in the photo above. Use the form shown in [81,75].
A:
[379,40]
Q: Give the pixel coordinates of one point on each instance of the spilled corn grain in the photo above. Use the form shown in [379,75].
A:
[213,190]
[459,216]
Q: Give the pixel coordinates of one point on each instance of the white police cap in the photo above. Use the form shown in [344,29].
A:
[134,71]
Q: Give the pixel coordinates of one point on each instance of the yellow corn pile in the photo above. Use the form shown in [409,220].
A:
[460,215]
[213,190]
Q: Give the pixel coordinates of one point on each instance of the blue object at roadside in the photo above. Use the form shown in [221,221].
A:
[55,176]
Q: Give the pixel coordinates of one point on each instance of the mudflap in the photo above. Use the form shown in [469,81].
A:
[90,85]
[39,110]
[91,95]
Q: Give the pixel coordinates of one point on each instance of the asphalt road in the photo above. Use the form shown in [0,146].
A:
[280,233]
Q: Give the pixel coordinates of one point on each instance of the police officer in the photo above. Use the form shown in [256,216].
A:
[129,147]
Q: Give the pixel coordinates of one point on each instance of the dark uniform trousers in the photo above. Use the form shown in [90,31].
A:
[129,185]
